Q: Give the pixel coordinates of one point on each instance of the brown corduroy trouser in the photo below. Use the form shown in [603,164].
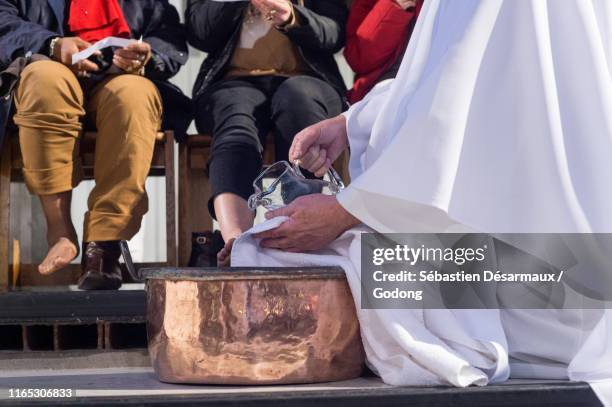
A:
[126,109]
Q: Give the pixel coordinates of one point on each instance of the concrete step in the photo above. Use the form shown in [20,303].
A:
[139,386]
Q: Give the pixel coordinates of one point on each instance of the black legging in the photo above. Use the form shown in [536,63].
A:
[241,112]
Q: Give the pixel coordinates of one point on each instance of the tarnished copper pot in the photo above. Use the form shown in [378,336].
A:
[247,326]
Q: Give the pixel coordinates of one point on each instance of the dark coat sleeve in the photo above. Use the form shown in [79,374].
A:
[166,35]
[19,36]
[321,27]
[210,24]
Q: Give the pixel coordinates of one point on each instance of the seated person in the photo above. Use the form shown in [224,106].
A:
[377,33]
[116,95]
[270,68]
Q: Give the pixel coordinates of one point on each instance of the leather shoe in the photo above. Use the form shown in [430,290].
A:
[100,266]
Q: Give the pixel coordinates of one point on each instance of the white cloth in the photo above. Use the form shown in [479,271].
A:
[416,347]
[500,120]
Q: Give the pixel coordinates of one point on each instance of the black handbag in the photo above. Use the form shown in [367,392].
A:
[204,248]
[8,83]
[6,105]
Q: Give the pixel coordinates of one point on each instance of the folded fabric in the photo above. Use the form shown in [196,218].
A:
[405,347]
[429,347]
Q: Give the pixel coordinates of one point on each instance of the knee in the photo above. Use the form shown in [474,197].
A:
[234,143]
[293,94]
[46,84]
[221,111]
[132,95]
[232,124]
[46,74]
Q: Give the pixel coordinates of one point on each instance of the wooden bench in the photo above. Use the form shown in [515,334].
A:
[193,190]
[11,171]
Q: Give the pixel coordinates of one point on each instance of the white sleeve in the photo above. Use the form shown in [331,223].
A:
[360,119]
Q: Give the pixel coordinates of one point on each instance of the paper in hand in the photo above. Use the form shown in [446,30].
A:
[104,43]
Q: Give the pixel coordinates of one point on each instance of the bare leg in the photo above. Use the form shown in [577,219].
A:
[234,217]
[61,236]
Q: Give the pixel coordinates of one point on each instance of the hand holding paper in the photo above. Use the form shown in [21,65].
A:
[134,57]
[65,48]
[105,43]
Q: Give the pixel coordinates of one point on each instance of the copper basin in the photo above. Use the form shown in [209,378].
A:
[252,326]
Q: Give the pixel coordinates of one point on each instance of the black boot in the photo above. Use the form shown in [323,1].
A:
[204,248]
[100,266]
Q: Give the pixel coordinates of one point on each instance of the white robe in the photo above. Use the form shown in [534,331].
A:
[500,120]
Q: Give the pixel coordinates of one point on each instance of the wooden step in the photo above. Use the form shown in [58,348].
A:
[63,318]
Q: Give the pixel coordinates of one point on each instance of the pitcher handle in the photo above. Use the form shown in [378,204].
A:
[335,179]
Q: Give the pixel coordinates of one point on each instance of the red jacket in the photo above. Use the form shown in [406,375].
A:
[376,35]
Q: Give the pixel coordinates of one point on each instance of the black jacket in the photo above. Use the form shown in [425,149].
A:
[27,26]
[214,27]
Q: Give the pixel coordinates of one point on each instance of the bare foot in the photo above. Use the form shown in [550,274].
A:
[61,236]
[225,254]
[59,256]
[234,217]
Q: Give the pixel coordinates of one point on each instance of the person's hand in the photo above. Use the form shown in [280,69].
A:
[132,58]
[279,12]
[63,50]
[316,147]
[406,4]
[314,222]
